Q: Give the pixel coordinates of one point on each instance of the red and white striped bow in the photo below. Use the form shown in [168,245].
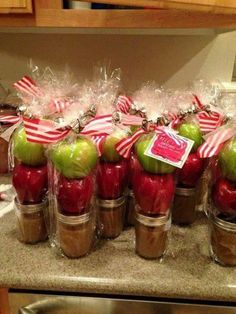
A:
[59,105]
[125,146]
[128,120]
[28,87]
[98,141]
[175,120]
[198,103]
[99,126]
[37,130]
[43,131]
[9,119]
[208,121]
[215,141]
[123,104]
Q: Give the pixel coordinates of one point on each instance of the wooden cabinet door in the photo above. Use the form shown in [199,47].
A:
[210,6]
[16,6]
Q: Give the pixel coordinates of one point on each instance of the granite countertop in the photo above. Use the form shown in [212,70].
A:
[186,271]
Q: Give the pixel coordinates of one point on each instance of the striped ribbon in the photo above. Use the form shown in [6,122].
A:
[198,103]
[124,147]
[28,86]
[43,131]
[59,105]
[37,130]
[98,141]
[208,121]
[9,119]
[47,132]
[123,104]
[128,120]
[99,126]
[215,141]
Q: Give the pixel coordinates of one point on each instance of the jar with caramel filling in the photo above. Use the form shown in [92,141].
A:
[130,209]
[202,190]
[5,109]
[111,217]
[151,234]
[31,222]
[184,207]
[76,234]
[223,240]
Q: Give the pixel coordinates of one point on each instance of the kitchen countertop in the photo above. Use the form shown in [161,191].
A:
[186,272]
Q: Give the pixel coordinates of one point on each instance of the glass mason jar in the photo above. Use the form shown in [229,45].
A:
[5,109]
[223,240]
[130,209]
[31,222]
[202,188]
[222,205]
[76,234]
[151,234]
[184,207]
[111,216]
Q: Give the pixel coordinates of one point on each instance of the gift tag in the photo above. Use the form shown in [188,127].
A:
[169,147]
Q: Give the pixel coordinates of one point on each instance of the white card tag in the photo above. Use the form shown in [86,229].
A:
[169,147]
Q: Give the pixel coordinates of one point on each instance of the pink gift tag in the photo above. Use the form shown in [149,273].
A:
[169,147]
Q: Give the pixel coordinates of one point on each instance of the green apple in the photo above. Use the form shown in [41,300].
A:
[31,154]
[134,128]
[109,153]
[150,164]
[227,159]
[75,160]
[193,132]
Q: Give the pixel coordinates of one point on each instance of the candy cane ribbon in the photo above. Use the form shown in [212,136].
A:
[123,104]
[124,147]
[28,86]
[208,121]
[43,131]
[37,130]
[98,141]
[8,119]
[99,126]
[128,120]
[215,140]
[198,103]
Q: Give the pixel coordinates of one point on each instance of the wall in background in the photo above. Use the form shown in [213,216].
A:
[170,60]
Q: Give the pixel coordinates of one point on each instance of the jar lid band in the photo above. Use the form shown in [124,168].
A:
[111,203]
[223,224]
[185,191]
[73,220]
[31,208]
[153,221]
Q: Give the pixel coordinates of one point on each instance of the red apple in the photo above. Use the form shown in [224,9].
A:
[192,170]
[74,195]
[134,166]
[224,196]
[30,183]
[153,192]
[112,179]
[215,169]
